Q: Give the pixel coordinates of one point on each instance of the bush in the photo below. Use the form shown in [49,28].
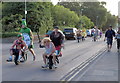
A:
[9,34]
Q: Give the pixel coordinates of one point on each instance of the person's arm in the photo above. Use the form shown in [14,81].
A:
[105,35]
[14,43]
[26,47]
[51,35]
[62,40]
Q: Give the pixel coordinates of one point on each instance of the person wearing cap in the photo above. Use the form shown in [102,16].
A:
[16,47]
[27,37]
[109,34]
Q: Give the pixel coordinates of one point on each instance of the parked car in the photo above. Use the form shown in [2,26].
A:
[88,32]
[48,33]
[70,33]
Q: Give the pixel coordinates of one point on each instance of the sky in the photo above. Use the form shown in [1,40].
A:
[112,5]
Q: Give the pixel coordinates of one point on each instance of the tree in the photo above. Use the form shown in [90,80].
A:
[111,21]
[64,17]
[93,10]
[84,22]
[38,13]
[12,22]
[96,12]
[73,6]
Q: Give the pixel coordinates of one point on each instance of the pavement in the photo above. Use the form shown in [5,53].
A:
[104,68]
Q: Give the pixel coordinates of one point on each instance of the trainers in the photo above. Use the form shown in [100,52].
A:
[33,58]
[45,66]
[9,60]
[54,66]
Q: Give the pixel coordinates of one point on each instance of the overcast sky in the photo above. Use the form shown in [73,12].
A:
[112,6]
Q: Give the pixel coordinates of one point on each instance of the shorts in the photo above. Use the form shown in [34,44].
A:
[30,46]
[15,51]
[109,41]
[28,43]
[79,37]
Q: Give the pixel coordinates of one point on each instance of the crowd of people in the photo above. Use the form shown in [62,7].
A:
[55,41]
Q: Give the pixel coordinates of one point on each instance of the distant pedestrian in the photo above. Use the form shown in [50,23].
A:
[95,34]
[79,36]
[101,33]
[109,36]
[118,39]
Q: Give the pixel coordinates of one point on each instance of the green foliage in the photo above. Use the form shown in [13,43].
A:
[42,16]
[38,13]
[0,29]
[93,10]
[64,17]
[12,8]
[84,22]
[12,22]
[9,34]
[73,6]
[111,20]
[96,12]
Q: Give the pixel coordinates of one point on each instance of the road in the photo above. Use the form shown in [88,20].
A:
[74,54]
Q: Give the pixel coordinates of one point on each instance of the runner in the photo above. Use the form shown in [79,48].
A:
[109,36]
[27,37]
[79,36]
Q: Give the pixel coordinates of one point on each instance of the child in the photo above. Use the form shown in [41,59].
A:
[16,47]
[50,50]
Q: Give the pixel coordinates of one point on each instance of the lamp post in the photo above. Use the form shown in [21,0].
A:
[81,18]
[25,10]
[97,21]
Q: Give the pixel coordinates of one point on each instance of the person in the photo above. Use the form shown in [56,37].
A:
[109,34]
[92,31]
[96,32]
[83,34]
[50,50]
[79,36]
[100,33]
[27,37]
[57,39]
[19,44]
[118,39]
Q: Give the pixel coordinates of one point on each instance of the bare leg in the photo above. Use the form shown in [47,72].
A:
[33,53]
[10,57]
[110,47]
[11,52]
[54,59]
[44,58]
